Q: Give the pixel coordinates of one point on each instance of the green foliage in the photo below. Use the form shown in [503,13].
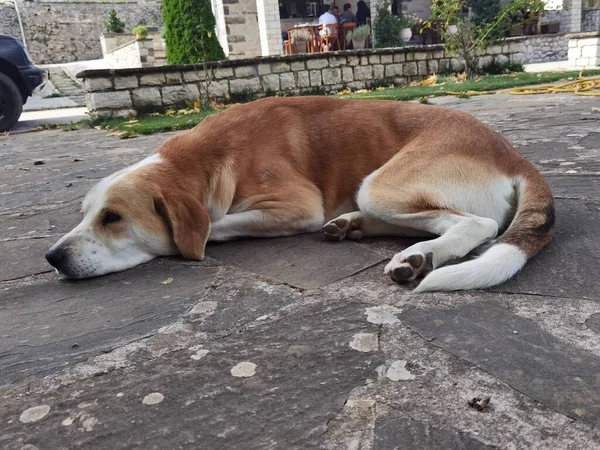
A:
[359,33]
[190,32]
[387,27]
[472,37]
[113,24]
[484,10]
[141,32]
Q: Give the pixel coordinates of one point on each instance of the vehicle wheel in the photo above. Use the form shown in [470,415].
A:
[11,103]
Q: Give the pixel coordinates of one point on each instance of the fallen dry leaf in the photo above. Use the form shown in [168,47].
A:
[74,160]
[167,281]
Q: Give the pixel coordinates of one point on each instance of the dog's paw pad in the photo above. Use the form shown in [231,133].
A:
[336,230]
[404,269]
[403,273]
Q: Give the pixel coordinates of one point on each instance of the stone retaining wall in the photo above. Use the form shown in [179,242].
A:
[590,20]
[119,93]
[584,50]
[134,53]
[546,48]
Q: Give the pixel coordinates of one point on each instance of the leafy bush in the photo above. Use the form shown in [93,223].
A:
[387,27]
[190,32]
[470,38]
[140,31]
[484,10]
[113,24]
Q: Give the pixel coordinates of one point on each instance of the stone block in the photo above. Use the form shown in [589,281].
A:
[337,61]
[244,86]
[409,56]
[152,79]
[410,69]
[421,56]
[353,61]
[444,65]
[364,60]
[287,81]
[315,78]
[400,81]
[97,84]
[297,66]
[356,85]
[320,63]
[124,114]
[221,73]
[245,71]
[173,78]
[485,61]
[214,89]
[111,100]
[494,50]
[280,67]
[393,70]
[174,95]
[437,54]
[516,47]
[304,79]
[457,65]
[501,59]
[270,83]
[128,82]
[347,74]
[422,68]
[432,66]
[147,98]
[590,51]
[401,57]
[193,76]
[387,59]
[374,59]
[363,73]
[264,69]
[331,76]
[378,72]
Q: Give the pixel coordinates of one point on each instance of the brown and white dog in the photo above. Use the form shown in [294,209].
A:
[282,166]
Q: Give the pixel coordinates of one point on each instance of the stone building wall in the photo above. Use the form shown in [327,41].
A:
[64,31]
[241,23]
[119,93]
[590,20]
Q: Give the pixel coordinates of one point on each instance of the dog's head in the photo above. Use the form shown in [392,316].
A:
[131,217]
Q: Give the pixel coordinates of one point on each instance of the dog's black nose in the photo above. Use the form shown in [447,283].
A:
[56,256]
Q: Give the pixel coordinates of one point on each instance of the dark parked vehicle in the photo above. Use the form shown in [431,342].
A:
[18,79]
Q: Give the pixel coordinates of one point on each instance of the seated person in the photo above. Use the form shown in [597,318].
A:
[327,19]
[347,16]
[336,12]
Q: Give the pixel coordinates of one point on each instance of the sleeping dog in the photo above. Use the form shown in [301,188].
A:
[351,168]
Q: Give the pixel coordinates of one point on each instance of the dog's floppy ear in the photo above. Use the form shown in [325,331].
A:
[188,222]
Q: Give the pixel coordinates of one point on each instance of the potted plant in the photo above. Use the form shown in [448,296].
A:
[140,32]
[299,38]
[359,36]
[407,21]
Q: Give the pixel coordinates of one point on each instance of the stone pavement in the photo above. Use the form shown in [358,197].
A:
[296,342]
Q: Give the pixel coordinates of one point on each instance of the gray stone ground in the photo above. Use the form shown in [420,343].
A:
[296,342]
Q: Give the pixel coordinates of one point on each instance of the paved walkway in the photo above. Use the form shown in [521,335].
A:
[296,342]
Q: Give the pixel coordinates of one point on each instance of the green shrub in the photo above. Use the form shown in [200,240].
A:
[113,24]
[387,27]
[141,32]
[190,32]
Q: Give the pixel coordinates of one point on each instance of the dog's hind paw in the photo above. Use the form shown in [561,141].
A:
[403,269]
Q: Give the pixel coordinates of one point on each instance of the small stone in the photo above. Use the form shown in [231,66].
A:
[244,369]
[39,162]
[68,421]
[119,395]
[153,399]
[398,372]
[365,342]
[34,414]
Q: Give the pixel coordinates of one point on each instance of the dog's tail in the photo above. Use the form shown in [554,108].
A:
[528,233]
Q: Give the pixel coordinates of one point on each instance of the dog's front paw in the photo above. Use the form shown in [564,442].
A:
[342,228]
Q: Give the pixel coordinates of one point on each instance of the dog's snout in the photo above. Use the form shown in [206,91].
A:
[56,256]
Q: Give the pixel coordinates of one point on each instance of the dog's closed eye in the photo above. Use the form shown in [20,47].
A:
[110,217]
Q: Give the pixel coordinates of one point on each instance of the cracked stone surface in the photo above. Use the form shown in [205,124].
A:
[288,343]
